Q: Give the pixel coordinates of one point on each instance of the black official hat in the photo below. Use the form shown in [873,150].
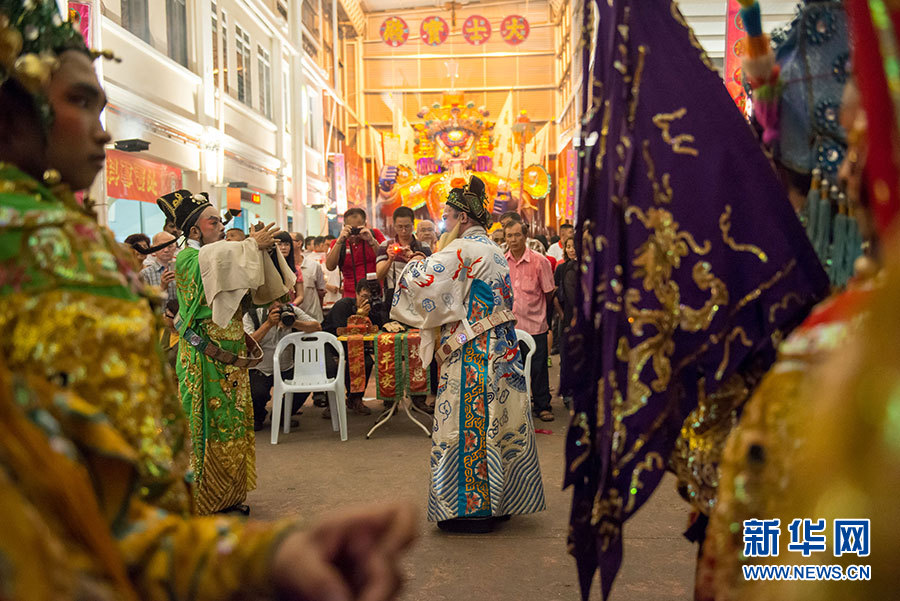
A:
[183,207]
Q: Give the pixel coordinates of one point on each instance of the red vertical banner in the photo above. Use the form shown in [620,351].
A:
[565,189]
[735,42]
[356,177]
[571,166]
[340,183]
[80,17]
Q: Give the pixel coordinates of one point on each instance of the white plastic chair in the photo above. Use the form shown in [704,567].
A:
[525,337]
[309,376]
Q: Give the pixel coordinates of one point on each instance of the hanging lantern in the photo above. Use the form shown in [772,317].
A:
[394,31]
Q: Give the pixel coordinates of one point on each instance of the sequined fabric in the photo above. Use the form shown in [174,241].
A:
[93,461]
[69,314]
[759,462]
[693,265]
[814,54]
[848,460]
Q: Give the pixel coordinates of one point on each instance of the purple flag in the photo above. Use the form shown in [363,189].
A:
[693,262]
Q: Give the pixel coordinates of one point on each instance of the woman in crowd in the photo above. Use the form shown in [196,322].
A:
[286,247]
[566,277]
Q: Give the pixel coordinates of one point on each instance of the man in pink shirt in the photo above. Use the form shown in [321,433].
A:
[533,287]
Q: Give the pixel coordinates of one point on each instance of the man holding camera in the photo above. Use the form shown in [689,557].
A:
[393,255]
[354,251]
[268,328]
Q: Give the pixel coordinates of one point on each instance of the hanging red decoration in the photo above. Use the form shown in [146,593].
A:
[514,29]
[434,31]
[476,30]
[394,31]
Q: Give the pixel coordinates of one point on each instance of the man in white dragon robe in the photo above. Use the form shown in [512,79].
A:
[484,462]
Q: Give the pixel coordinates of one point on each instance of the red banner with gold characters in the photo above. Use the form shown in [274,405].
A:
[565,190]
[356,178]
[735,35]
[398,366]
[434,31]
[394,32]
[386,370]
[514,29]
[138,179]
[476,30]
[80,17]
[418,373]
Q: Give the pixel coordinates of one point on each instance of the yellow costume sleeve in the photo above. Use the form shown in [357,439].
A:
[75,522]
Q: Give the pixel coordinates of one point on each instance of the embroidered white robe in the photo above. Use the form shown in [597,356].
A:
[484,459]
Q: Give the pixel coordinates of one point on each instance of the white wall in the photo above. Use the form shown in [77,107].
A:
[174,108]
[707,19]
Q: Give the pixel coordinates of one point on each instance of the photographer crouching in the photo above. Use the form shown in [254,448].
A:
[368,302]
[268,327]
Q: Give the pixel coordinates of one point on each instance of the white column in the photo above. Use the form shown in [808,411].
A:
[200,21]
[298,137]
[279,116]
[97,191]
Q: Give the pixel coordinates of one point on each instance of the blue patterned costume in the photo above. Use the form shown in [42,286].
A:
[483,460]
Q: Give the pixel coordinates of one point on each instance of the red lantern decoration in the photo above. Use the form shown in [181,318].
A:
[394,31]
[434,31]
[514,29]
[476,30]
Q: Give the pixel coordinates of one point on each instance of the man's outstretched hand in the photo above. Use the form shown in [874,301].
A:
[265,236]
[352,557]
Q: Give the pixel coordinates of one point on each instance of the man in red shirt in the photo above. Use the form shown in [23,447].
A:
[557,251]
[533,287]
[354,251]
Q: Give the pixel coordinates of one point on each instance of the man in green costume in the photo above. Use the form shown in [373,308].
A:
[212,276]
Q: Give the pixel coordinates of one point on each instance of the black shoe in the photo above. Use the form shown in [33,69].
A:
[469,525]
[258,426]
[319,400]
[420,404]
[239,508]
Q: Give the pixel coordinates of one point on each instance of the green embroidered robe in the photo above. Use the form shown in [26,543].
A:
[215,396]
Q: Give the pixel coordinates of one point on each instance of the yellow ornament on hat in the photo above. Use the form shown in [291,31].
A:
[10,44]
[32,72]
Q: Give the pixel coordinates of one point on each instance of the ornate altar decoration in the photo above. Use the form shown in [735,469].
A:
[454,140]
[357,329]
[398,366]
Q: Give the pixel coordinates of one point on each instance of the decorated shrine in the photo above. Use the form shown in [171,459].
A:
[456,139]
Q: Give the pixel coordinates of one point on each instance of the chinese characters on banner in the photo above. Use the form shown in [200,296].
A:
[434,31]
[734,49]
[80,17]
[394,31]
[137,179]
[476,30]
[340,183]
[356,180]
[565,191]
[514,29]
